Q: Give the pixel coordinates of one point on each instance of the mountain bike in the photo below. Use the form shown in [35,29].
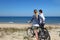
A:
[42,35]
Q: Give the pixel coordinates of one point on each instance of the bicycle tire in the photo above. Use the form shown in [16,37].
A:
[46,34]
[30,32]
[46,39]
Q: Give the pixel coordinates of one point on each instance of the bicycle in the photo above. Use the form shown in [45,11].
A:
[41,35]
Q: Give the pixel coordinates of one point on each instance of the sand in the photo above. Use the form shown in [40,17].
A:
[17,31]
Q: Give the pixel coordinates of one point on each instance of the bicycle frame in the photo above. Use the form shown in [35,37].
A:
[37,33]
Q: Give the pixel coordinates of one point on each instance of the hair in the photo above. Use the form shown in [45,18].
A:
[36,13]
[40,11]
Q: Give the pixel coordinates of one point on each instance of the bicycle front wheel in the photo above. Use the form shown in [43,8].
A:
[30,32]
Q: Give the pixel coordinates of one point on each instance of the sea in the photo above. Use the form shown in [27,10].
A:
[24,19]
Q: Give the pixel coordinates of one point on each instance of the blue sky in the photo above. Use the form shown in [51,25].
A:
[26,7]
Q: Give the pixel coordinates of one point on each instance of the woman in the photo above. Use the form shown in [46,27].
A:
[35,22]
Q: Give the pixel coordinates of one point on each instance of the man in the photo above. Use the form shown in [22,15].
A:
[42,21]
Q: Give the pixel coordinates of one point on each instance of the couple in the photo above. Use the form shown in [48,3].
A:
[38,20]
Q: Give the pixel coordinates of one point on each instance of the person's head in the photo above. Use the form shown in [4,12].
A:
[40,11]
[36,12]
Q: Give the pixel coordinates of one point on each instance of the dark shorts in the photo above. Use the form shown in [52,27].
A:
[42,26]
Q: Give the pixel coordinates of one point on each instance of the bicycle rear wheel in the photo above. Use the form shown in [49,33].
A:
[48,38]
[47,35]
[44,35]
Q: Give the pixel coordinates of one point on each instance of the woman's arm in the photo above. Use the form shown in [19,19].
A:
[31,19]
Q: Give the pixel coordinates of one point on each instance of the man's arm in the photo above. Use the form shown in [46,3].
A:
[40,21]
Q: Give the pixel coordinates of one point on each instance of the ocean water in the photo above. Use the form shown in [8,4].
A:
[49,20]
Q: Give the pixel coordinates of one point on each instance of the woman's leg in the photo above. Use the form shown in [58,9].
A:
[36,34]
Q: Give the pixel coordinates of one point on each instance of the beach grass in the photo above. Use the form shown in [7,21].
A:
[8,31]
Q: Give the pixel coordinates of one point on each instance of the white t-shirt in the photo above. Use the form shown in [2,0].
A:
[42,16]
[37,25]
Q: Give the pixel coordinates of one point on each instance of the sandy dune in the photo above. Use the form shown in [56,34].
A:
[13,32]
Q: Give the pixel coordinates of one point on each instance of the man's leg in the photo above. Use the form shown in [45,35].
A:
[42,26]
